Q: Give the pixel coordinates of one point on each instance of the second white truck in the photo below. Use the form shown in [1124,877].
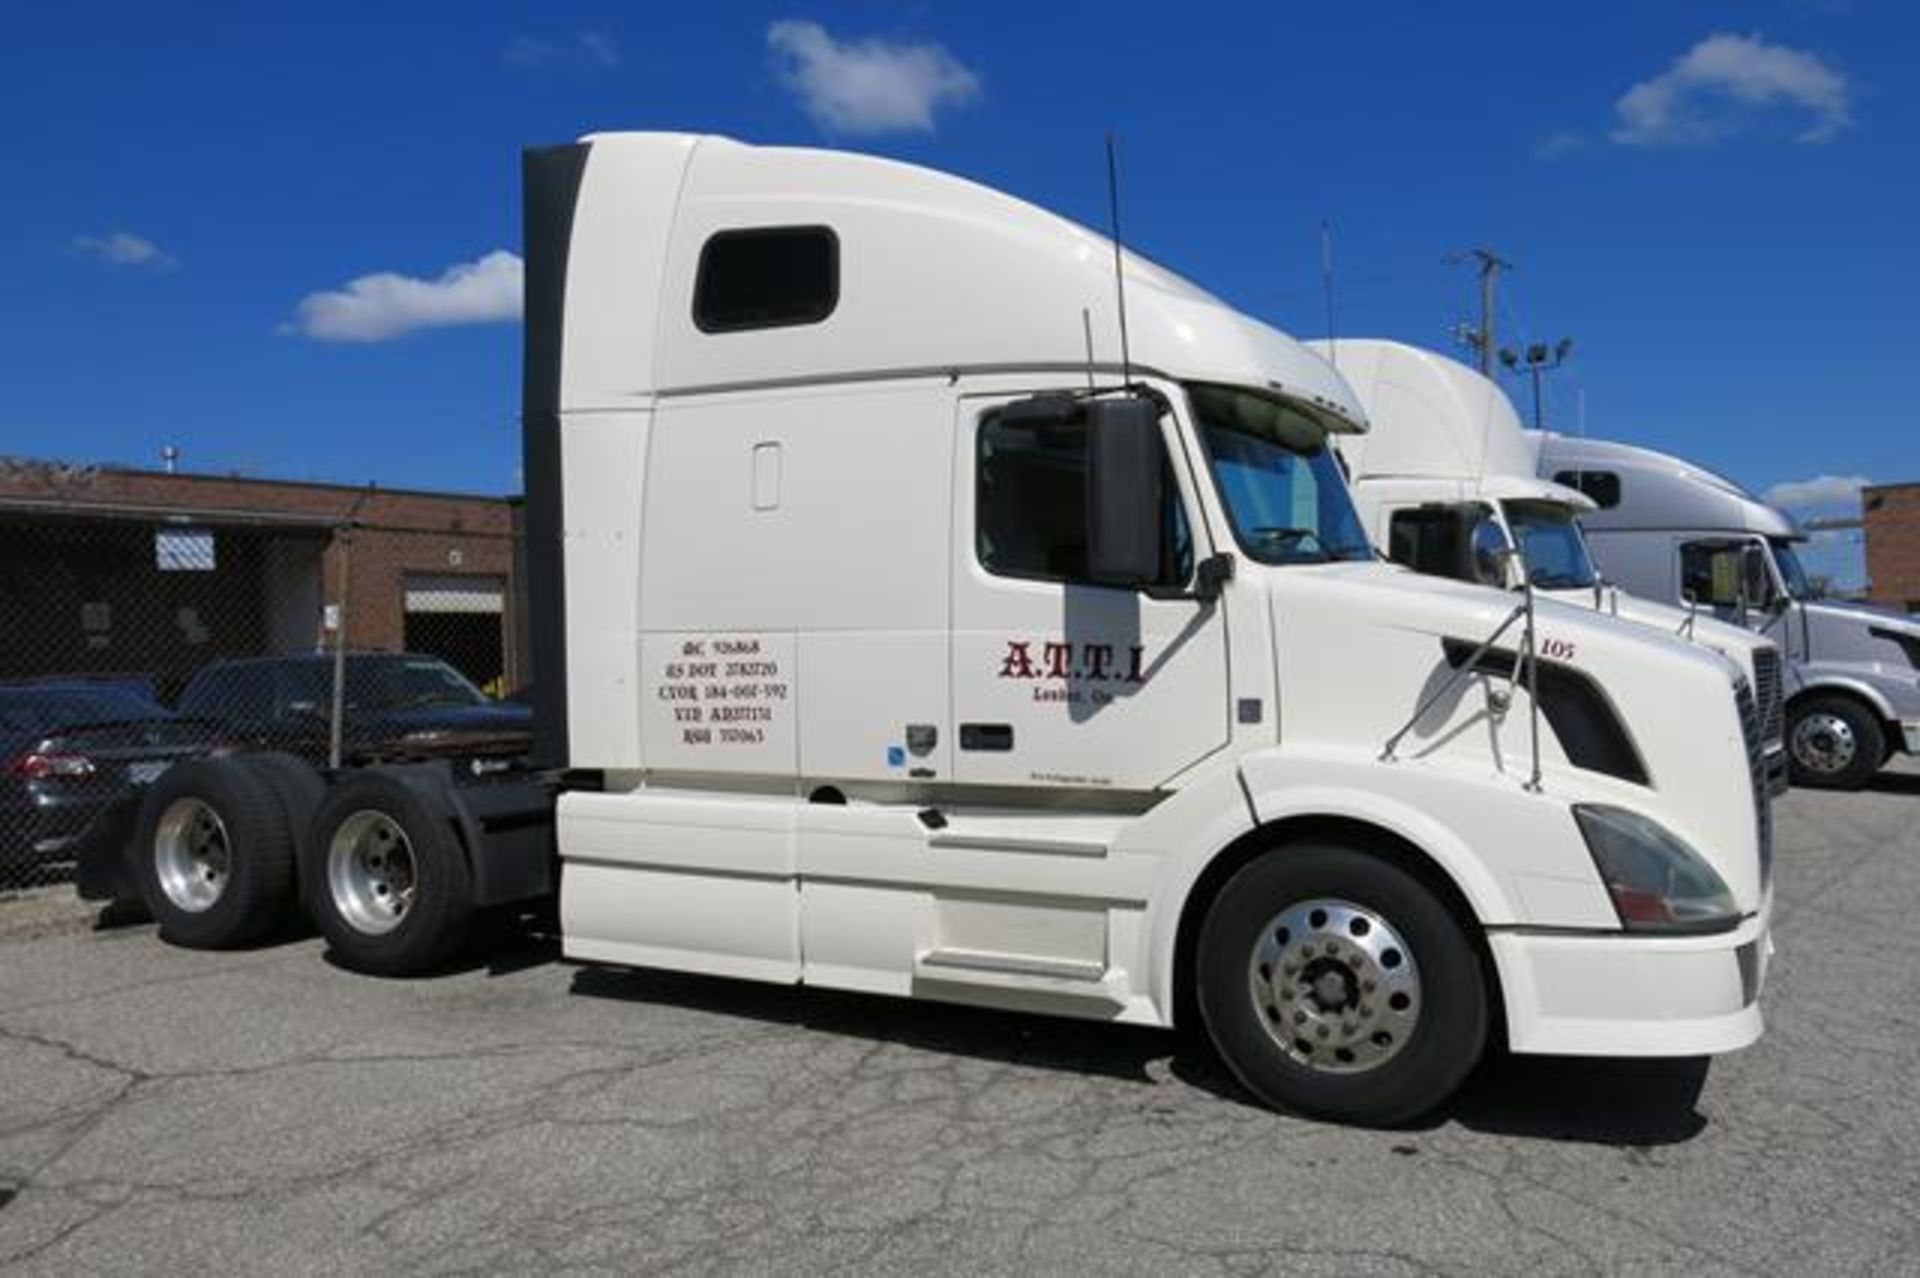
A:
[1445,481]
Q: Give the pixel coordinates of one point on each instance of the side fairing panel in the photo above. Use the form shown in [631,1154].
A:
[603,456]
[629,193]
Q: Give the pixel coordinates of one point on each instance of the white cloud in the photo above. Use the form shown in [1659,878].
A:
[375,308]
[1723,83]
[1558,143]
[585,48]
[871,85]
[1822,490]
[123,248]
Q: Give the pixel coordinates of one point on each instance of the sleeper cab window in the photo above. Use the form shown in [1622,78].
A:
[1601,485]
[1030,509]
[766,277]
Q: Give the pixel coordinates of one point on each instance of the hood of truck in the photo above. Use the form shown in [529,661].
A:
[1870,614]
[1736,643]
[1358,647]
[1850,640]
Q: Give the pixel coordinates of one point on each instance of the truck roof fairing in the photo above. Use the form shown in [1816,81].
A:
[936,275]
[1659,490]
[1436,417]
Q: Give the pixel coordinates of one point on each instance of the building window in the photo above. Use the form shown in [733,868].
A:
[1031,507]
[768,277]
[1601,485]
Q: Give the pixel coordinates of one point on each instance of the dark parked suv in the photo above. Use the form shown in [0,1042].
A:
[394,704]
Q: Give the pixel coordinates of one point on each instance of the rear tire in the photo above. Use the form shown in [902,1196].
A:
[213,855]
[1338,985]
[1834,743]
[295,784]
[385,877]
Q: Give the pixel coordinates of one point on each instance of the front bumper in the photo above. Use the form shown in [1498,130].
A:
[1620,994]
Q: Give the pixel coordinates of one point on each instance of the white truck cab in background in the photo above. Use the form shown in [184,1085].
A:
[883,643]
[1672,530]
[1446,481]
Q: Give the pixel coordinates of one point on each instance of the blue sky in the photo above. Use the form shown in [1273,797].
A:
[1717,201]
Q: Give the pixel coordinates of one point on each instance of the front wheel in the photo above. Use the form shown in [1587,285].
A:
[385,878]
[1336,984]
[1834,743]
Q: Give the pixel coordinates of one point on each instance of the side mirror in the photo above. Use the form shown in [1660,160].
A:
[1488,553]
[1126,475]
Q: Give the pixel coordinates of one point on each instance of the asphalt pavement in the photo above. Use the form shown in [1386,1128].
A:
[162,1110]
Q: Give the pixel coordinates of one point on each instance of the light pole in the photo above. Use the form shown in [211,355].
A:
[1538,359]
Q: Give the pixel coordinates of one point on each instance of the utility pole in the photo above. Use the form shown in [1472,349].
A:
[1481,339]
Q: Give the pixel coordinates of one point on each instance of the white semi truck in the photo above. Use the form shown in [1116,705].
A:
[1669,529]
[900,627]
[1446,481]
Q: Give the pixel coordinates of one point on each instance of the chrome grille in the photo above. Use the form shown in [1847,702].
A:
[1757,776]
[1767,694]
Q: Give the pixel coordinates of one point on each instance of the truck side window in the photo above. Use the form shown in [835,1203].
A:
[1031,505]
[767,277]
[1601,485]
[1429,539]
[1710,573]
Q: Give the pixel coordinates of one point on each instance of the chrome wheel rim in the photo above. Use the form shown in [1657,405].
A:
[192,855]
[370,872]
[1336,986]
[1824,742]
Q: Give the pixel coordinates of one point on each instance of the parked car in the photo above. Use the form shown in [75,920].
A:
[67,751]
[394,704]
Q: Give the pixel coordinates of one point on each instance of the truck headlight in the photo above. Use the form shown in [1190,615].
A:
[1657,882]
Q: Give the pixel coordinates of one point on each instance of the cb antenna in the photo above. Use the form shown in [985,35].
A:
[1119,272]
[1326,287]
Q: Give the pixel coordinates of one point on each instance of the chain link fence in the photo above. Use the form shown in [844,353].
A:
[132,639]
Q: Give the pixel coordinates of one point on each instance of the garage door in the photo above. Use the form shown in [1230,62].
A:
[461,620]
[457,594]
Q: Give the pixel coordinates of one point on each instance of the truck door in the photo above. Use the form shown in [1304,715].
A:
[1056,681]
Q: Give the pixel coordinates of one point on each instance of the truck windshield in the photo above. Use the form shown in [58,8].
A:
[1282,487]
[1551,543]
[1791,572]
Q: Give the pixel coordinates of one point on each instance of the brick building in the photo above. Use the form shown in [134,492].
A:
[1891,515]
[116,571]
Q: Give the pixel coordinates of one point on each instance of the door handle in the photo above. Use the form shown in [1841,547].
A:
[986,736]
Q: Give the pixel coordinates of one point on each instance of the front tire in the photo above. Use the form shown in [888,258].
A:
[385,877]
[213,855]
[1338,985]
[1834,743]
